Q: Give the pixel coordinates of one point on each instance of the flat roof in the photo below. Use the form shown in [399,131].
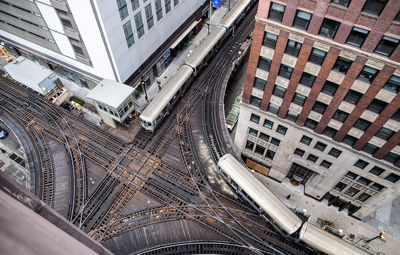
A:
[29,70]
[110,93]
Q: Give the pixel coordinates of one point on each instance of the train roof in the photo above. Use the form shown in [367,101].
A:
[327,242]
[161,100]
[205,47]
[236,11]
[240,174]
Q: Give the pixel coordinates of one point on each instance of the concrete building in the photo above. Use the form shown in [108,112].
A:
[321,103]
[114,101]
[87,41]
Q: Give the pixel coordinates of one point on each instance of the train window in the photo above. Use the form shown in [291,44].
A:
[255,118]
[249,145]
[312,158]
[270,154]
[276,12]
[268,124]
[264,136]
[275,141]
[252,131]
[281,130]
[306,140]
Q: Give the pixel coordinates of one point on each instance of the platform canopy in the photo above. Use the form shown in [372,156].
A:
[110,93]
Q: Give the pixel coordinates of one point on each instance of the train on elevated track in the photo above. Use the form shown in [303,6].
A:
[273,210]
[164,101]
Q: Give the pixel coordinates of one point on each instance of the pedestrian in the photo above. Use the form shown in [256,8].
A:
[288,196]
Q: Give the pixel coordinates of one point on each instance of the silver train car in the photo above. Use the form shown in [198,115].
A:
[164,101]
[327,242]
[263,198]
[162,104]
[240,178]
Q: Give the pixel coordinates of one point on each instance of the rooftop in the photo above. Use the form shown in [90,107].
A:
[111,93]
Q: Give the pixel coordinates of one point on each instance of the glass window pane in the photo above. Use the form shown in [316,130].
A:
[270,40]
[264,63]
[259,83]
[317,56]
[330,88]
[279,91]
[299,99]
[374,6]
[307,79]
[340,116]
[268,123]
[357,37]
[386,46]
[367,74]
[293,48]
[285,71]
[302,19]
[329,28]
[276,12]
[342,65]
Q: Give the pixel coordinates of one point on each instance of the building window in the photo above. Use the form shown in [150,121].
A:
[353,97]
[275,141]
[340,186]
[326,164]
[392,178]
[320,146]
[357,36]
[268,124]
[392,157]
[255,101]
[396,115]
[361,164]
[351,192]
[350,140]
[273,108]
[306,140]
[364,181]
[176,2]
[253,132]
[367,74]
[292,116]
[312,158]
[279,91]
[79,51]
[259,83]
[386,46]
[363,197]
[341,2]
[255,118]
[330,88]
[351,175]
[270,154]
[342,65]
[374,6]
[299,152]
[149,16]
[276,12]
[139,24]
[393,84]
[340,116]
[158,9]
[264,137]
[311,124]
[135,4]
[123,10]
[319,107]
[299,99]
[397,18]
[330,132]
[385,133]
[377,187]
[317,56]
[302,19]
[249,145]
[370,148]
[335,152]
[307,79]
[281,130]
[329,28]
[362,124]
[377,106]
[259,150]
[293,48]
[264,63]
[285,71]
[270,40]
[376,171]
[167,6]
[128,34]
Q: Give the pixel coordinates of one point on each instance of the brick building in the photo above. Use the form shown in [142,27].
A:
[321,103]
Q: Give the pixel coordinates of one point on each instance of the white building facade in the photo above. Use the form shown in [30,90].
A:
[87,41]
